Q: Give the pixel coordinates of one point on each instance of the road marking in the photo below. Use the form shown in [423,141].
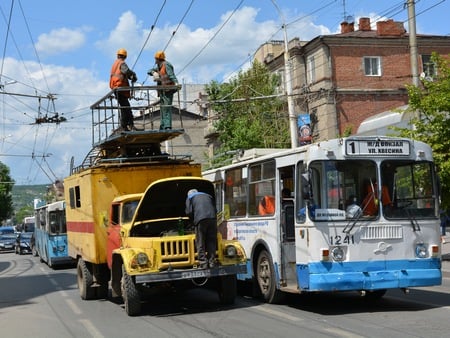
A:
[342,333]
[283,315]
[73,306]
[91,328]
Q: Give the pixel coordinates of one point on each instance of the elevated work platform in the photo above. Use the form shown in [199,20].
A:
[111,144]
[144,101]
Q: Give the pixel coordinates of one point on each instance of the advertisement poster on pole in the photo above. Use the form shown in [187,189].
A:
[304,129]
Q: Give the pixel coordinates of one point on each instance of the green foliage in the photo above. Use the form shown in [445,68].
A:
[431,105]
[6,207]
[23,199]
[23,212]
[249,114]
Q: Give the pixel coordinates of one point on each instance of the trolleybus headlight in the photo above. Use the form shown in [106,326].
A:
[230,251]
[338,254]
[421,250]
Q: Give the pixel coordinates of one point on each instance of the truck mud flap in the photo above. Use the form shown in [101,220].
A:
[190,274]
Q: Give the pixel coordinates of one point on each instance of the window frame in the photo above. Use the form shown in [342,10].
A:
[378,67]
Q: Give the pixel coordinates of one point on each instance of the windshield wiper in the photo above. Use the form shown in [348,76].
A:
[415,225]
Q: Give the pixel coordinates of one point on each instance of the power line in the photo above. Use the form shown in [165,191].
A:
[150,33]
[179,24]
[212,38]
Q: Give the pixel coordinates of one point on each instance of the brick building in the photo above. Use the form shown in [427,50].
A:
[342,79]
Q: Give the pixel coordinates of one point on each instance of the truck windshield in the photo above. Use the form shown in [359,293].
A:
[128,210]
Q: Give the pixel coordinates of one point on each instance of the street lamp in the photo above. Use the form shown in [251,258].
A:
[288,82]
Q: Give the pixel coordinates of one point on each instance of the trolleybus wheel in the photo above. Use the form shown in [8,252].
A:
[84,281]
[130,295]
[265,275]
[227,289]
[374,295]
[34,251]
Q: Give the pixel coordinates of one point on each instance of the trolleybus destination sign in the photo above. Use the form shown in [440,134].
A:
[381,147]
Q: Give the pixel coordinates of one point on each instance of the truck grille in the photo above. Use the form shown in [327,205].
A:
[382,232]
[176,250]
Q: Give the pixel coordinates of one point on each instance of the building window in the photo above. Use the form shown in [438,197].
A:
[372,65]
[280,82]
[428,67]
[311,70]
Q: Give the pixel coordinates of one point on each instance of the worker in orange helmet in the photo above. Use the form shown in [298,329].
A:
[163,74]
[120,74]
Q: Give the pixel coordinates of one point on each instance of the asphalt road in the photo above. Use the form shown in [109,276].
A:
[37,301]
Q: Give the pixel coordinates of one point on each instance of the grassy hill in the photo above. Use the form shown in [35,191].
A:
[24,195]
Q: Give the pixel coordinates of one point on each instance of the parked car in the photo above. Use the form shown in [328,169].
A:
[7,241]
[7,230]
[23,243]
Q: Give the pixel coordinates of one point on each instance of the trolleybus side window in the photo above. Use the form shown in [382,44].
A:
[262,189]
[236,191]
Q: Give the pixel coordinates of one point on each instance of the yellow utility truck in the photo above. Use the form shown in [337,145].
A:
[126,223]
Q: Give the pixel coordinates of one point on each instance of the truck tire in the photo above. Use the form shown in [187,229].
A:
[85,281]
[265,276]
[130,295]
[227,289]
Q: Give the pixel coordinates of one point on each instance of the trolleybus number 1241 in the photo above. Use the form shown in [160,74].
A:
[339,240]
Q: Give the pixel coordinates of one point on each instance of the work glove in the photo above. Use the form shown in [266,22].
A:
[133,78]
[156,77]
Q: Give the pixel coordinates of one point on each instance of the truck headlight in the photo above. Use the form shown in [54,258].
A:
[230,251]
[140,260]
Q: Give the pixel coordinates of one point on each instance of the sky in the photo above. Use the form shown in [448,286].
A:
[66,48]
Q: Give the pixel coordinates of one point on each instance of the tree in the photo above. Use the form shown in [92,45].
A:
[431,105]
[6,184]
[249,112]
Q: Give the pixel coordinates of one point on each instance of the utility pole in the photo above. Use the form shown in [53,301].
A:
[413,42]
[288,83]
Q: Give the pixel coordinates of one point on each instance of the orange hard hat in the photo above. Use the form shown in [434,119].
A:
[160,55]
[122,51]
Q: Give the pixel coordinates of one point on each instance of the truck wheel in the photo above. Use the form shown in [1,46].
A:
[227,289]
[85,281]
[130,295]
[265,275]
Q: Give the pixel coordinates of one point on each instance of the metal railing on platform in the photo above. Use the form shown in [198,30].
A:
[106,111]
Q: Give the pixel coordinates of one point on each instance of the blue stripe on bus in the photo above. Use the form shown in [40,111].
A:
[373,275]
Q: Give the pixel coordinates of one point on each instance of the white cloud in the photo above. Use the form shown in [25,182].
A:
[127,34]
[60,41]
[76,90]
